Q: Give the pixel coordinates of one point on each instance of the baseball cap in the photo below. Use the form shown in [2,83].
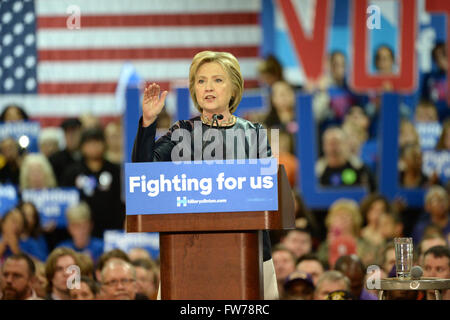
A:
[299,276]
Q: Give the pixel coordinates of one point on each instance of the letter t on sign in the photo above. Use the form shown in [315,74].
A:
[439,6]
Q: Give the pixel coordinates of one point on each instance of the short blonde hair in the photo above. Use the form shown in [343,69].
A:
[78,213]
[36,158]
[349,206]
[229,64]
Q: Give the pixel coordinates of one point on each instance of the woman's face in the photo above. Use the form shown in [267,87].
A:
[385,62]
[36,176]
[283,97]
[213,88]
[13,114]
[30,214]
[14,223]
[375,211]
[341,223]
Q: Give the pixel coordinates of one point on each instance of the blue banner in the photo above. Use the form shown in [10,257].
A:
[52,203]
[149,241]
[26,133]
[201,186]
[8,198]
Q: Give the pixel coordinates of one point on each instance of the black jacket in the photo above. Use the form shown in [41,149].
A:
[147,150]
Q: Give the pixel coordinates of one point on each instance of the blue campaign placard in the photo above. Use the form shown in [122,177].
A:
[8,198]
[115,239]
[25,132]
[201,186]
[52,203]
[429,134]
[437,162]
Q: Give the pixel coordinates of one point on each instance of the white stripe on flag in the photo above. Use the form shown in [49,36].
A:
[59,7]
[148,37]
[109,71]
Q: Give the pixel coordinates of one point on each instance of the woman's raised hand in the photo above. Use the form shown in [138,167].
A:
[153,103]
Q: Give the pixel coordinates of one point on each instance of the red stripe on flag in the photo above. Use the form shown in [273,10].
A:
[105,87]
[140,53]
[152,20]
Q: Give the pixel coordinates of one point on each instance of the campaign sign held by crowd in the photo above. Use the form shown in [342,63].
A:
[201,186]
[26,133]
[116,239]
[8,198]
[52,203]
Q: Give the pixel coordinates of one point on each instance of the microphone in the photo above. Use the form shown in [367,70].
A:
[416,272]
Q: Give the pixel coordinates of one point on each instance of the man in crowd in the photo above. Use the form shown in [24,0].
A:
[18,275]
[310,264]
[436,263]
[119,281]
[352,267]
[331,281]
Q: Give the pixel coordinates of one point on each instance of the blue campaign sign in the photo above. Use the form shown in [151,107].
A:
[115,239]
[52,203]
[8,198]
[437,162]
[429,134]
[201,186]
[25,132]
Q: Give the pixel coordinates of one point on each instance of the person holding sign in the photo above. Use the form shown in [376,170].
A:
[216,87]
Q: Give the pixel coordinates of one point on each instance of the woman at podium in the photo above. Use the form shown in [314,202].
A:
[216,86]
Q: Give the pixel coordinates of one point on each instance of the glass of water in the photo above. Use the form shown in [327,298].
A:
[403,257]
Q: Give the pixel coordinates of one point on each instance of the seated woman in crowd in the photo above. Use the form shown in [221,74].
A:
[14,224]
[282,109]
[343,223]
[410,168]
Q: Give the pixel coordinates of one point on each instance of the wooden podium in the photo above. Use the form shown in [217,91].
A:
[215,256]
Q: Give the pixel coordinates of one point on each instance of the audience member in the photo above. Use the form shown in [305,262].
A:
[284,263]
[13,113]
[147,278]
[114,142]
[428,242]
[337,168]
[10,161]
[310,264]
[79,225]
[106,257]
[352,267]
[99,183]
[436,213]
[118,281]
[426,113]
[330,281]
[64,158]
[410,168]
[57,273]
[298,241]
[270,71]
[139,253]
[50,141]
[298,286]
[87,290]
[436,263]
[443,143]
[282,112]
[18,273]
[435,82]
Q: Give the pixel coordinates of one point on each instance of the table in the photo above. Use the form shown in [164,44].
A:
[424,283]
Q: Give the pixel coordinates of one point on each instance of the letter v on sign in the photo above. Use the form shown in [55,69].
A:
[438,6]
[310,51]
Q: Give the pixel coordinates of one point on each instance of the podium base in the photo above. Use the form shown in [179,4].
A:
[211,266]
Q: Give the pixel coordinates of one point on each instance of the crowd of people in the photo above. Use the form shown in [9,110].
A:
[322,258]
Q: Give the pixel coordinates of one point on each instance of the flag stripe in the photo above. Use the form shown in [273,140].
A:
[151,20]
[131,37]
[109,71]
[139,53]
[124,7]
[102,87]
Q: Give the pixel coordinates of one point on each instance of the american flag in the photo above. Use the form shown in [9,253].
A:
[55,70]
